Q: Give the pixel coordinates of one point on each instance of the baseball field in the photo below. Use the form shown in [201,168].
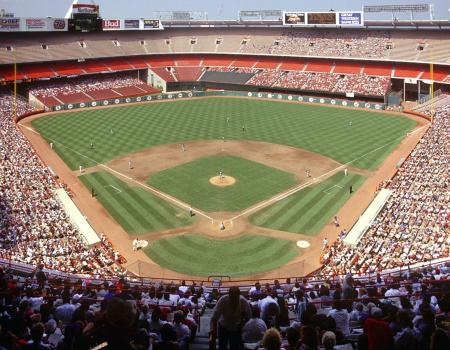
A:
[260,167]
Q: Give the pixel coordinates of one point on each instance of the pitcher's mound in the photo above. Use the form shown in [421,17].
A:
[222,181]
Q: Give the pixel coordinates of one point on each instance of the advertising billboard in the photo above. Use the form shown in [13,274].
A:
[38,24]
[58,24]
[9,24]
[111,24]
[131,24]
[152,24]
[294,18]
[321,18]
[85,8]
[350,19]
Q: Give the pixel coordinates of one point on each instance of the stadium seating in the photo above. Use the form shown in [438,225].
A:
[78,90]
[187,73]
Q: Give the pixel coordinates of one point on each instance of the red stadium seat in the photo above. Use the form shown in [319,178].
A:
[267,62]
[163,74]
[216,61]
[292,65]
[66,68]
[38,71]
[407,71]
[244,62]
[378,69]
[188,61]
[94,66]
[318,66]
[187,73]
[347,67]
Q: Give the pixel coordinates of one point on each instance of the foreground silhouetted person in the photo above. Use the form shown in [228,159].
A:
[230,314]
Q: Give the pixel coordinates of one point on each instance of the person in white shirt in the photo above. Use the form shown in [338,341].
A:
[269,309]
[341,317]
[64,312]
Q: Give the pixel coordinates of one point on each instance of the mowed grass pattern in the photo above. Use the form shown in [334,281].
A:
[135,209]
[202,256]
[320,129]
[308,210]
[190,183]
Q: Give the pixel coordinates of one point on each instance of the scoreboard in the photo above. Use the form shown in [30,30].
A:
[322,18]
[340,18]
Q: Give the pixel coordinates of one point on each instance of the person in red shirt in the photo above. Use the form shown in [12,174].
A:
[377,332]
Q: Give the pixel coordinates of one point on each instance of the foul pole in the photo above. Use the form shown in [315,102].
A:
[15,87]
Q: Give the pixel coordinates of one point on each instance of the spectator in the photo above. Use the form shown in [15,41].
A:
[253,331]
[230,314]
[271,340]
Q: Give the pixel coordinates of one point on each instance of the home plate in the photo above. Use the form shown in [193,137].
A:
[303,244]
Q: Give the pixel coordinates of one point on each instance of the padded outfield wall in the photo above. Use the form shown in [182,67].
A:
[195,94]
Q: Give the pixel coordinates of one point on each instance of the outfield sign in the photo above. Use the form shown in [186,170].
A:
[131,24]
[350,18]
[111,24]
[37,24]
[9,24]
[151,24]
[190,94]
[331,18]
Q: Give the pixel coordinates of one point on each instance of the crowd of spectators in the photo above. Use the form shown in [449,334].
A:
[266,77]
[404,311]
[34,228]
[328,43]
[85,85]
[314,81]
[328,82]
[45,313]
[392,312]
[413,226]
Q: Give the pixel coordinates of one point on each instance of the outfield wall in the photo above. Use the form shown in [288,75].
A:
[193,94]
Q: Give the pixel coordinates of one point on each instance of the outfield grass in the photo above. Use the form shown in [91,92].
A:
[320,129]
[308,210]
[190,183]
[135,209]
[202,256]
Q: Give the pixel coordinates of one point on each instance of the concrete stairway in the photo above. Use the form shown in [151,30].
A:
[202,338]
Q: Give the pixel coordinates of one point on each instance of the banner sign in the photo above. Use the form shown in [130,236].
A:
[350,18]
[35,24]
[9,24]
[131,24]
[321,18]
[58,24]
[294,18]
[190,94]
[111,24]
[85,8]
[152,23]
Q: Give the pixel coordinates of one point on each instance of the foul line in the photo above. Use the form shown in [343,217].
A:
[316,179]
[160,194]
[118,190]
[326,191]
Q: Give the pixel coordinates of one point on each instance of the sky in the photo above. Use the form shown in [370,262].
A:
[216,9]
